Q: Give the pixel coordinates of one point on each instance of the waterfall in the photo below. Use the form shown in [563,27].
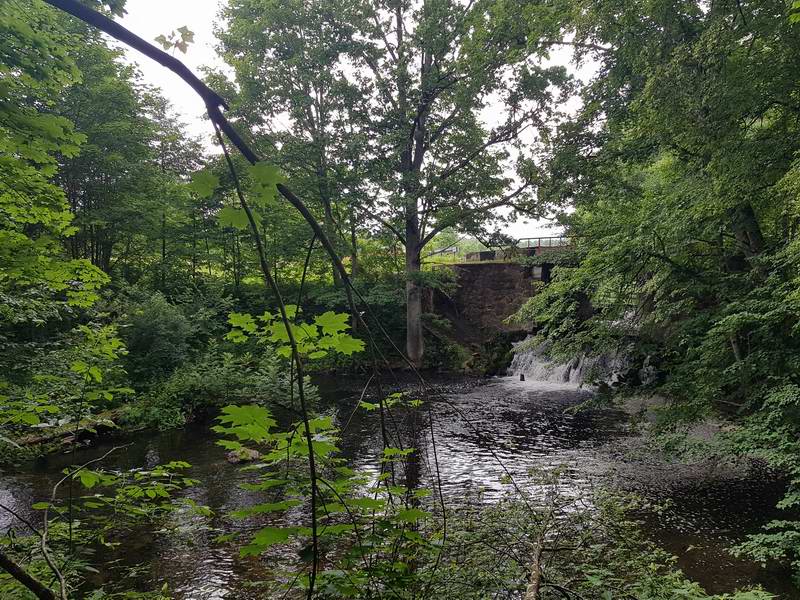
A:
[536,365]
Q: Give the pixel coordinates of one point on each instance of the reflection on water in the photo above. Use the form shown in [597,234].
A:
[523,425]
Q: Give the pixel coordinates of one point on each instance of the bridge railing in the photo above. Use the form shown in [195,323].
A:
[531,245]
[543,242]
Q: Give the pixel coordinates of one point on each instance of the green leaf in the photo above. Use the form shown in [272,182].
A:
[410,515]
[29,418]
[332,323]
[265,177]
[243,321]
[233,217]
[346,344]
[79,367]
[266,537]
[204,183]
[95,374]
[187,35]
[366,503]
[230,445]
[162,40]
[248,414]
[88,478]
[236,336]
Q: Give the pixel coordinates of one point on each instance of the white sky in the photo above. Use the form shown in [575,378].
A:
[200,16]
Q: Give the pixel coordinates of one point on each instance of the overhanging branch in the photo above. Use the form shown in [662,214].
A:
[127,37]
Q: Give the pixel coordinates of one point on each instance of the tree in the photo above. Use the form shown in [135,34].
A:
[288,58]
[36,279]
[125,187]
[448,93]
[682,169]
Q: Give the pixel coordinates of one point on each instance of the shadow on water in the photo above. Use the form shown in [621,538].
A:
[526,425]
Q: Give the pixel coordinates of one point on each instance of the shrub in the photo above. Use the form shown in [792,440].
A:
[157,335]
[214,380]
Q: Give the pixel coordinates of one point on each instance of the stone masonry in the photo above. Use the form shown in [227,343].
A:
[487,294]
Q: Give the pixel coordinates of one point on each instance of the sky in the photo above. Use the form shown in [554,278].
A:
[200,17]
[151,18]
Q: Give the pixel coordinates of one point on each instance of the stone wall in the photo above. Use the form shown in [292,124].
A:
[487,294]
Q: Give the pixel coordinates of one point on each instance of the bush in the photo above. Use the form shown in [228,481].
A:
[157,335]
[216,379]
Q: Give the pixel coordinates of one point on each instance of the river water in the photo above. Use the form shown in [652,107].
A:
[478,426]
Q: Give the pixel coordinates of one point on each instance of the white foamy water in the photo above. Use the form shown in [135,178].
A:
[581,369]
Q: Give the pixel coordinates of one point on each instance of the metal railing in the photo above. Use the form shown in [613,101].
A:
[526,245]
[543,242]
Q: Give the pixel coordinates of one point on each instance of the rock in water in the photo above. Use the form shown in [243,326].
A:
[244,455]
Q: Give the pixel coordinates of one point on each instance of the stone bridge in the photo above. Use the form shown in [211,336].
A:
[491,286]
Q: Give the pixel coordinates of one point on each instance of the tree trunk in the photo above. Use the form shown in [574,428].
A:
[163,250]
[330,231]
[353,247]
[744,224]
[415,343]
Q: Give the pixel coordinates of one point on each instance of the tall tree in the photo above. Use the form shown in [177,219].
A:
[126,186]
[448,94]
[295,92]
[35,69]
[107,183]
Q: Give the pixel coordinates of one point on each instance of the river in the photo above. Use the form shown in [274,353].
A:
[521,424]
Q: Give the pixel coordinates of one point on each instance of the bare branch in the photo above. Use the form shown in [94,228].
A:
[581,45]
[504,134]
[504,201]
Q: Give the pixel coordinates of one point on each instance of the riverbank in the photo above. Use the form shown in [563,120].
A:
[711,500]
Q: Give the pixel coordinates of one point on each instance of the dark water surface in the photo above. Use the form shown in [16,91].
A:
[523,425]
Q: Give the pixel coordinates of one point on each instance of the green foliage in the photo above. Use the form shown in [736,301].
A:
[136,495]
[314,339]
[204,183]
[233,217]
[441,279]
[794,15]
[396,132]
[773,435]
[179,39]
[157,335]
[208,382]
[265,178]
[100,514]
[34,215]
[614,560]
[69,385]
[682,170]
[681,164]
[442,353]
[373,522]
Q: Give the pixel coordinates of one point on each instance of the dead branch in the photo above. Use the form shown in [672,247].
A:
[38,589]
